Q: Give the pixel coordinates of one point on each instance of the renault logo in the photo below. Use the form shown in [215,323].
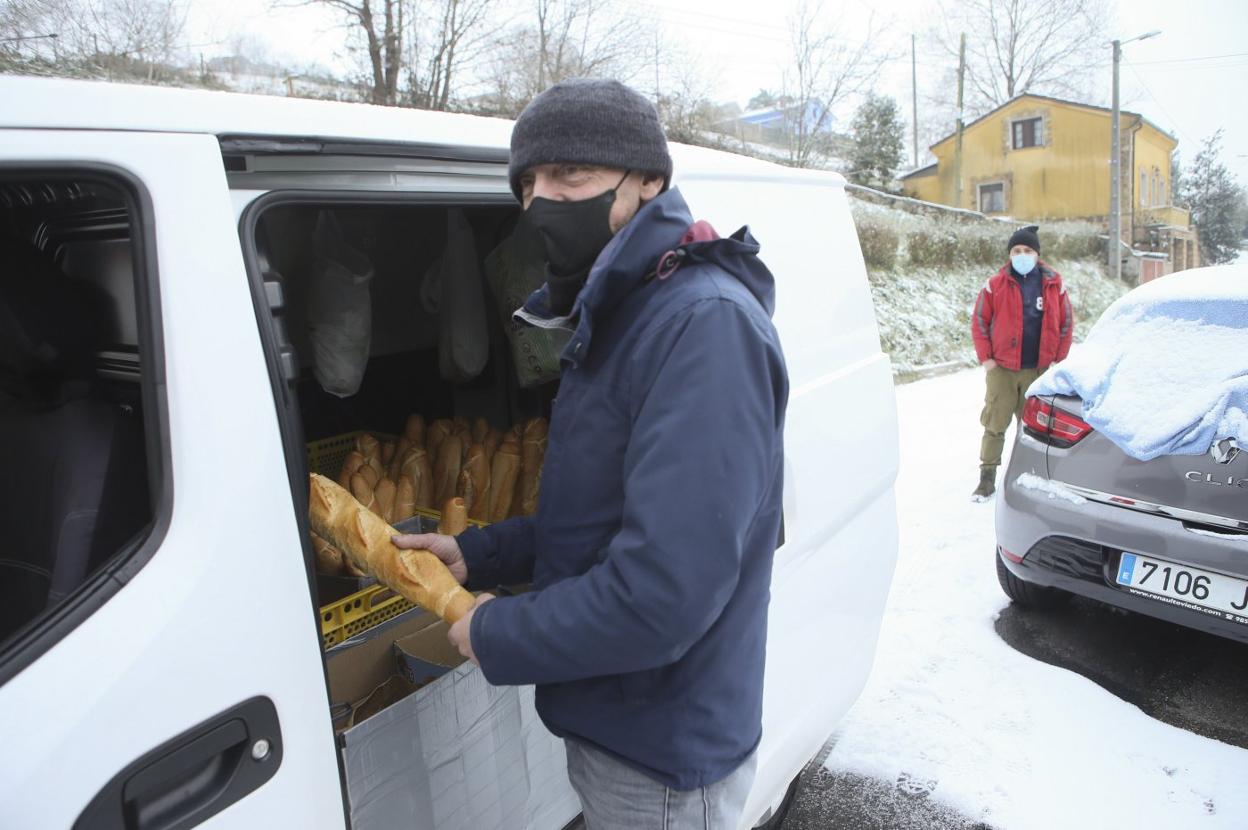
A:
[1224,451]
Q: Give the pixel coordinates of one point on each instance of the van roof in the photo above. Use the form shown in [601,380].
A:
[45,103]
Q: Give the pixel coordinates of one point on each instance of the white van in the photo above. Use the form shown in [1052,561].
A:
[162,658]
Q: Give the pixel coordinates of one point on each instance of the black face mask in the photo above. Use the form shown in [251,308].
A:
[571,234]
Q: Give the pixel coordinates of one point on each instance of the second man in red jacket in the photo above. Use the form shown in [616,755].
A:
[1022,322]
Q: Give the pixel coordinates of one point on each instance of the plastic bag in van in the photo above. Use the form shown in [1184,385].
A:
[515,269]
[463,332]
[340,310]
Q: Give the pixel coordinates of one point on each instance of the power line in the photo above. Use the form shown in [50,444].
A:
[1191,60]
[1164,112]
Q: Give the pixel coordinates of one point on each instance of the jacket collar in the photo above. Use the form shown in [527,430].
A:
[623,266]
[1007,271]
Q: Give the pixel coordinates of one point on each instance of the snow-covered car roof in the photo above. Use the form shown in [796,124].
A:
[1165,369]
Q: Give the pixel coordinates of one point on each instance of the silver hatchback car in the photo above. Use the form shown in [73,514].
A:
[1166,537]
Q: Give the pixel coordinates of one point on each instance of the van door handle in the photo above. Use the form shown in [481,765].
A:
[191,778]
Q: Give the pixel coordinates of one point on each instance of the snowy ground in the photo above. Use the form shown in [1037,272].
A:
[953,712]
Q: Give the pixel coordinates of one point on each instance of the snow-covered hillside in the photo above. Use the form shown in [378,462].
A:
[925,273]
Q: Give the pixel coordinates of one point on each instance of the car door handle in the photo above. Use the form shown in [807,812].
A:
[185,781]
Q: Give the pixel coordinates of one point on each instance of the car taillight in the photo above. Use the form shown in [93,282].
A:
[1051,425]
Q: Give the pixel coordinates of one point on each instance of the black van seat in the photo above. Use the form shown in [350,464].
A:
[74,483]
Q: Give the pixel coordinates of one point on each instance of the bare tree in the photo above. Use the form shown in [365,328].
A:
[381,24]
[825,69]
[564,39]
[1017,46]
[446,43]
[125,37]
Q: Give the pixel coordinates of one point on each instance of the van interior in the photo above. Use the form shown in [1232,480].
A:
[389,309]
[72,427]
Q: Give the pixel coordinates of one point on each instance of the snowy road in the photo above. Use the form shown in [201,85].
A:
[958,729]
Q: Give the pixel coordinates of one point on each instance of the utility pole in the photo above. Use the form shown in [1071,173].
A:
[914,101]
[957,152]
[1115,180]
[1115,166]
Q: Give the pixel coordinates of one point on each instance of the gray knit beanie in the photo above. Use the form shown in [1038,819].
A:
[589,121]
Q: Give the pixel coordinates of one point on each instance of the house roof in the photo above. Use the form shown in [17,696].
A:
[930,170]
[1105,110]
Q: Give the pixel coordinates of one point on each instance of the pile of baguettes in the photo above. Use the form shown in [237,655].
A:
[497,473]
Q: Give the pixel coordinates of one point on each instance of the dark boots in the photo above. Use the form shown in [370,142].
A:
[987,484]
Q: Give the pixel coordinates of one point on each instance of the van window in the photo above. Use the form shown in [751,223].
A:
[76,495]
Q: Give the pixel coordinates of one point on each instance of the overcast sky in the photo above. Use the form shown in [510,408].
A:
[1190,80]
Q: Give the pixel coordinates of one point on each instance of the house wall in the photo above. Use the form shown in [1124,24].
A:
[927,188]
[1152,159]
[1065,176]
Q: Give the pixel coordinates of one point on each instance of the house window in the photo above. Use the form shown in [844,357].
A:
[992,198]
[1161,196]
[1026,133]
[1158,200]
[1143,189]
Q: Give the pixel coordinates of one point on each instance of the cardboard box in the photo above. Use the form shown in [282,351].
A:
[456,754]
[426,655]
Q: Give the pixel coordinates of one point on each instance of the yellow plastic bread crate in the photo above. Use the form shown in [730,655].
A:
[358,612]
[326,455]
[344,618]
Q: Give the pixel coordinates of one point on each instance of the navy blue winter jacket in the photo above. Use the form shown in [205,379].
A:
[659,514]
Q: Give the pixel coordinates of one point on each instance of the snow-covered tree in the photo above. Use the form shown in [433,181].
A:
[878,135]
[1215,197]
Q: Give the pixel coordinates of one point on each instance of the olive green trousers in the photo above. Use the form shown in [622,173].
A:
[1003,400]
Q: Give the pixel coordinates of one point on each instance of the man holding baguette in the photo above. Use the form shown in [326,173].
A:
[651,550]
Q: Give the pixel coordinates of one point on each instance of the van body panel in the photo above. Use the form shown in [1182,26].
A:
[205,624]
[202,607]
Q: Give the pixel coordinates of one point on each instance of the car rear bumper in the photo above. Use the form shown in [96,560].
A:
[1077,548]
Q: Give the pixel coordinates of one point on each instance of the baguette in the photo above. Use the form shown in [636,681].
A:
[362,489]
[404,499]
[417,575]
[414,430]
[367,445]
[328,557]
[503,474]
[480,429]
[435,435]
[350,466]
[393,469]
[387,453]
[384,494]
[454,519]
[474,483]
[532,453]
[369,473]
[492,440]
[415,465]
[446,469]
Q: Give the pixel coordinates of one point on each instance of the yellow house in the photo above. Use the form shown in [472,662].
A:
[1036,158]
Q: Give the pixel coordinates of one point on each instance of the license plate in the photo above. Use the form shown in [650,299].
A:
[1185,585]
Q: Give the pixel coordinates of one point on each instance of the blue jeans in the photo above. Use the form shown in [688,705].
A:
[614,796]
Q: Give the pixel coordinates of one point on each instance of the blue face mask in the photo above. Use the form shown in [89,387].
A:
[1023,264]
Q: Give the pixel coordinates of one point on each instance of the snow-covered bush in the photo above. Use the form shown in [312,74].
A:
[879,244]
[936,247]
[925,272]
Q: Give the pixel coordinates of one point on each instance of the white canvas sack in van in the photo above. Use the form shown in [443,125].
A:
[340,310]
[463,332]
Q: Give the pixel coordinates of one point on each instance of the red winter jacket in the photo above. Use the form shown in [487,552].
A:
[997,321]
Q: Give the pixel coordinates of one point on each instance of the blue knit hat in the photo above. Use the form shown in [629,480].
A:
[589,121]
